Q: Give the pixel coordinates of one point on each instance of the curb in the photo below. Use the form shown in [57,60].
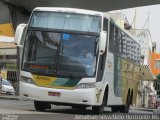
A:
[149,110]
[143,109]
[157,111]
[10,97]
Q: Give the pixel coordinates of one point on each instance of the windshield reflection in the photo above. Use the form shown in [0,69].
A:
[77,54]
[61,53]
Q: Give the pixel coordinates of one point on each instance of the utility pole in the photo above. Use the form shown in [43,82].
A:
[134,19]
[18,69]
[146,22]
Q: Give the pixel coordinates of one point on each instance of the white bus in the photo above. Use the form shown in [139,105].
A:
[78,58]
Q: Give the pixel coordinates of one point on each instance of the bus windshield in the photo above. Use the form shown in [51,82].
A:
[60,53]
[66,21]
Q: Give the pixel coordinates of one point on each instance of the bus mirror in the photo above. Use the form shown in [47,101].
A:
[103,39]
[19,33]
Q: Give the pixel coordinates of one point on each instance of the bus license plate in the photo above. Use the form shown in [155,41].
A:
[54,94]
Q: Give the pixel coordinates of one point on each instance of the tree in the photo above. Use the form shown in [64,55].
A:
[157,83]
[158,77]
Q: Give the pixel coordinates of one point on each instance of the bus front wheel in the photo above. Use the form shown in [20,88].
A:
[115,109]
[100,109]
[41,106]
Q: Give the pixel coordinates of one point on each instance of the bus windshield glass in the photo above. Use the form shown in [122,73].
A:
[66,21]
[60,53]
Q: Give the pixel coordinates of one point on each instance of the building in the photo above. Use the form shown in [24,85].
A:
[8,55]
[144,38]
[155,63]
[8,51]
[155,67]
[147,93]
[118,17]
[6,27]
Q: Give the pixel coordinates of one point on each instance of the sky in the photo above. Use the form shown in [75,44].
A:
[142,14]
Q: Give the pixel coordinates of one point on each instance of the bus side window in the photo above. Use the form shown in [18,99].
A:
[105,25]
[111,38]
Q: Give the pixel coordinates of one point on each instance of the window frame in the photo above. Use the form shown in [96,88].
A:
[126,37]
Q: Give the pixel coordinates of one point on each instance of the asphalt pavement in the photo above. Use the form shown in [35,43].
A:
[14,108]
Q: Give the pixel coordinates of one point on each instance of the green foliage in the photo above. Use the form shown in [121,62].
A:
[158,77]
[157,84]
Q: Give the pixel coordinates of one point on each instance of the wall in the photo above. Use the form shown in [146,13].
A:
[11,16]
[6,27]
[155,56]
[144,38]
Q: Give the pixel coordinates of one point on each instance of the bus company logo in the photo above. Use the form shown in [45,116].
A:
[43,78]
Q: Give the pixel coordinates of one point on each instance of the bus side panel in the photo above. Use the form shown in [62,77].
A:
[110,78]
[124,86]
[136,82]
[131,82]
[123,77]
[125,53]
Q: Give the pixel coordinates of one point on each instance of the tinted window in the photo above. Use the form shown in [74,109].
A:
[123,45]
[66,21]
[105,24]
[60,53]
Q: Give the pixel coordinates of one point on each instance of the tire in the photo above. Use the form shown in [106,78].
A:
[115,109]
[100,109]
[131,98]
[125,108]
[41,106]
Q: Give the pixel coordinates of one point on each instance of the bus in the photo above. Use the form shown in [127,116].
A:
[77,58]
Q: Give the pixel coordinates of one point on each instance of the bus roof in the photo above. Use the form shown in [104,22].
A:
[71,10]
[83,11]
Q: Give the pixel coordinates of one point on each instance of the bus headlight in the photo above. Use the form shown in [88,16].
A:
[27,80]
[86,85]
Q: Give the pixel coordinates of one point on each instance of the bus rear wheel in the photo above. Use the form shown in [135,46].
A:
[115,109]
[41,106]
[125,108]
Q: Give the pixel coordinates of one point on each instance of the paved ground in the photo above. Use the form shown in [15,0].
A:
[24,110]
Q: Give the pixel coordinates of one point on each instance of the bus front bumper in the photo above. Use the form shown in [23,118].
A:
[75,96]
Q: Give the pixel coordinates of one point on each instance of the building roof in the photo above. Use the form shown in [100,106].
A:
[98,5]
[146,73]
